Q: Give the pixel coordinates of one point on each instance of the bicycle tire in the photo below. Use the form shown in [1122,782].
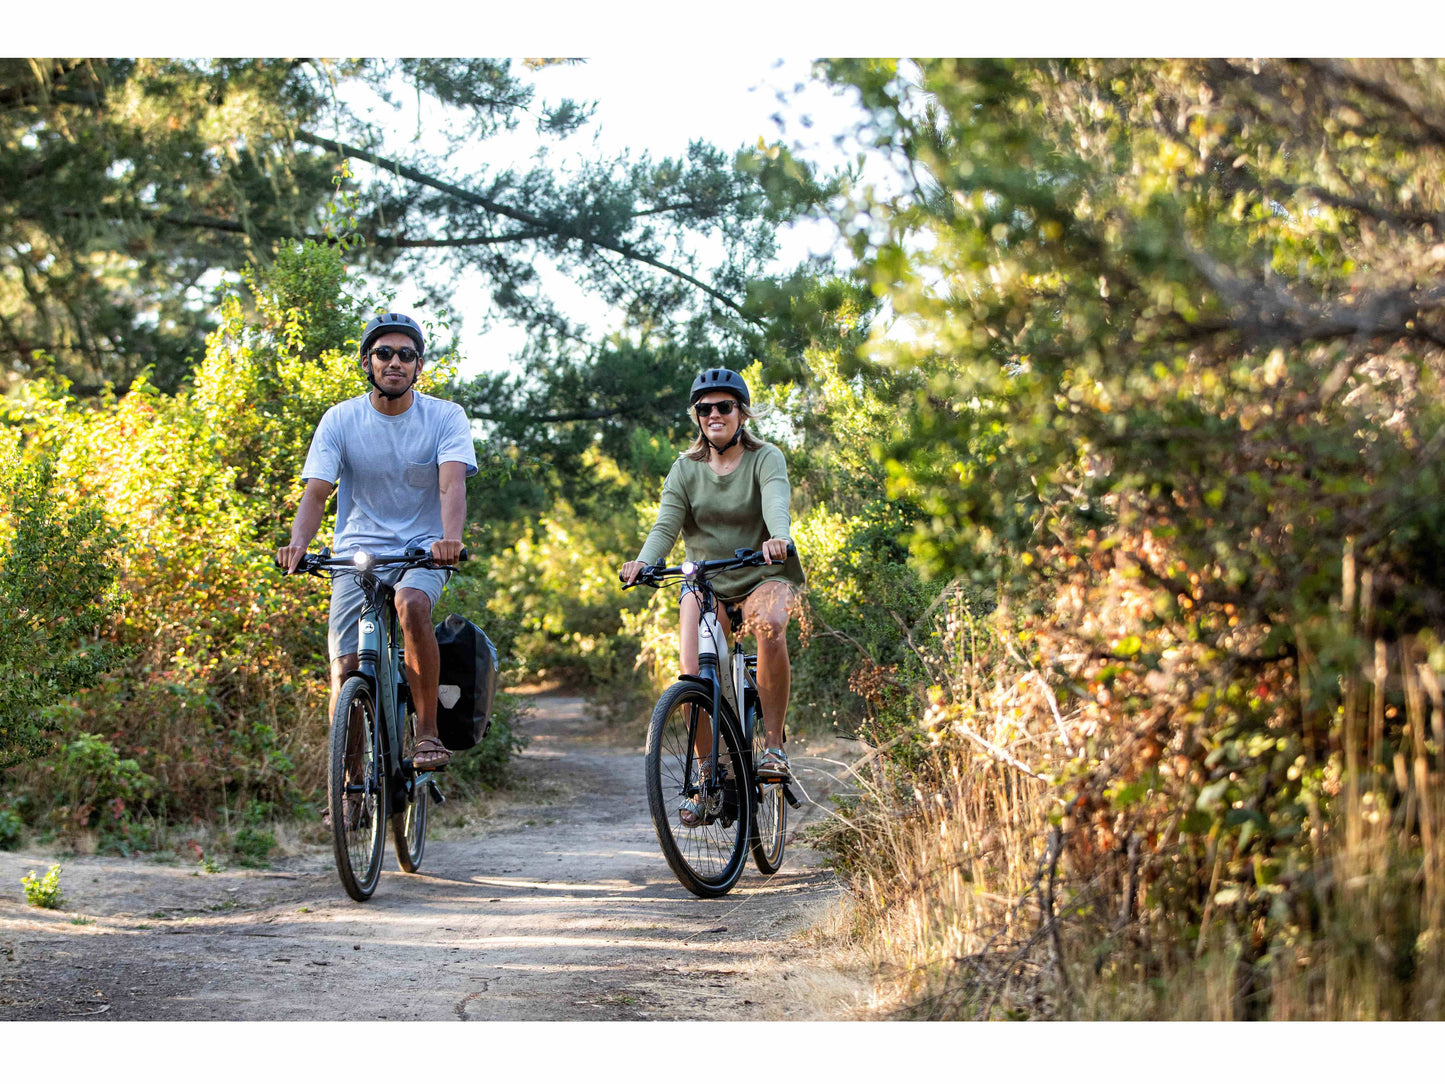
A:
[408,824]
[709,858]
[357,840]
[770,811]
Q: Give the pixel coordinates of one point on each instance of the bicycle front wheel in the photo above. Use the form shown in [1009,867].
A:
[770,813]
[708,856]
[408,824]
[356,790]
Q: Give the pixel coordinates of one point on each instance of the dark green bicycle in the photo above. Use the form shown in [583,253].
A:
[369,781]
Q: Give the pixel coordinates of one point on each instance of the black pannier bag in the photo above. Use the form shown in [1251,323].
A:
[467,684]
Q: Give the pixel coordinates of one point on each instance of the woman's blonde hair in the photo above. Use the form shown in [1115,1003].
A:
[699,448]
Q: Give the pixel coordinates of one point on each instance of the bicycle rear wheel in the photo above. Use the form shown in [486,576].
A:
[356,790]
[770,813]
[408,824]
[708,857]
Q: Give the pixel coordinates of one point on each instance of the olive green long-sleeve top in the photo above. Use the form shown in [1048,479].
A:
[718,514]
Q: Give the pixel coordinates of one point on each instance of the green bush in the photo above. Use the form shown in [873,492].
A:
[252,846]
[11,827]
[57,593]
[485,765]
[43,891]
[96,788]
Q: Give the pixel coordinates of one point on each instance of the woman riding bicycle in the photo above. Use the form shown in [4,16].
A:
[727,492]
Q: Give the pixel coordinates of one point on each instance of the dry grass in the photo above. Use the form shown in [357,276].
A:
[993,881]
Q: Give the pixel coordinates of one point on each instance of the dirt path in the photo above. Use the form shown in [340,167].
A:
[558,907]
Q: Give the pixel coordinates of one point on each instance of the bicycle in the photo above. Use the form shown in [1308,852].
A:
[368,780]
[702,743]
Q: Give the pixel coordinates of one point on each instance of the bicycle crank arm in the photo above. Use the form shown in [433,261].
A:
[436,794]
[788,794]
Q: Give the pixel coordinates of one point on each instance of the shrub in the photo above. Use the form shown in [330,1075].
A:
[485,765]
[43,891]
[11,828]
[252,846]
[57,593]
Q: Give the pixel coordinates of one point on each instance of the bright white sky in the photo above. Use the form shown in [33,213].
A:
[730,102]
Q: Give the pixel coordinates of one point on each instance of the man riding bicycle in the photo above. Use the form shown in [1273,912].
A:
[398,460]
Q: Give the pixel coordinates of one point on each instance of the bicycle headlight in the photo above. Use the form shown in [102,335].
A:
[363,560]
[688,568]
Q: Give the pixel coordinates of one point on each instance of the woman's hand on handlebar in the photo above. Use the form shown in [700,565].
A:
[629,572]
[775,550]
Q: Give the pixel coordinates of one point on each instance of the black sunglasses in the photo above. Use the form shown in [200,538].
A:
[724,408]
[386,353]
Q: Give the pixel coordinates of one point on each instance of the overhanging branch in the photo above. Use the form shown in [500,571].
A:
[562,229]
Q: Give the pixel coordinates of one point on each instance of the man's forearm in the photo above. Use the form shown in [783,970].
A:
[454,511]
[308,519]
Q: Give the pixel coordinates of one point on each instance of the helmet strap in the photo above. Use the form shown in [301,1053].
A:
[371,379]
[737,436]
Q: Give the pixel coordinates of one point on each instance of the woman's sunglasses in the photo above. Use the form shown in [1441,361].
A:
[724,408]
[386,353]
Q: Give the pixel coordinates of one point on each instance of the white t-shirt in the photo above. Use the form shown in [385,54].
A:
[388,494]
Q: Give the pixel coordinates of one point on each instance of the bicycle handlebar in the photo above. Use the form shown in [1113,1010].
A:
[652,574]
[318,563]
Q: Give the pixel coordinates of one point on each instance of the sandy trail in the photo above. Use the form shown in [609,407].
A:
[558,908]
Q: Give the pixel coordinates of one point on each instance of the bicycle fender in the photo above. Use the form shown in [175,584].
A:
[706,686]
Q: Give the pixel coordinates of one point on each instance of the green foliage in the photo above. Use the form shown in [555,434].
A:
[93,788]
[130,179]
[1171,387]
[252,846]
[486,764]
[222,697]
[43,891]
[57,592]
[11,830]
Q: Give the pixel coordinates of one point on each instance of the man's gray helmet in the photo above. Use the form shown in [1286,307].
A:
[385,324]
[388,322]
[719,380]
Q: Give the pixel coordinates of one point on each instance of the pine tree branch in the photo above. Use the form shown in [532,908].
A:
[562,229]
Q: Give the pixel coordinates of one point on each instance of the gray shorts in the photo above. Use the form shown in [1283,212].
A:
[347,600]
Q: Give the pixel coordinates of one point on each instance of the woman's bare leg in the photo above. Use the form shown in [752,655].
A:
[765,614]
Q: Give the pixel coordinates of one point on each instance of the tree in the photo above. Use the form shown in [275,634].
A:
[1201,294]
[1176,329]
[128,183]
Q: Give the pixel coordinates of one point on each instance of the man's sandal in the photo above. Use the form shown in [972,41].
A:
[429,754]
[773,766]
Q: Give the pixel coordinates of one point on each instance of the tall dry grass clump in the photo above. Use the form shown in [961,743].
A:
[1071,832]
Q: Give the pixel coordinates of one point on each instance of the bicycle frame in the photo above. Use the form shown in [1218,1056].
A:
[709,632]
[380,658]
[710,670]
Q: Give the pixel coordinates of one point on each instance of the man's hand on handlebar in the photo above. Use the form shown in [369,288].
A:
[446,551]
[288,557]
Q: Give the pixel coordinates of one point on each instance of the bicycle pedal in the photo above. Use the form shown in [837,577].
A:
[788,794]
[436,794]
